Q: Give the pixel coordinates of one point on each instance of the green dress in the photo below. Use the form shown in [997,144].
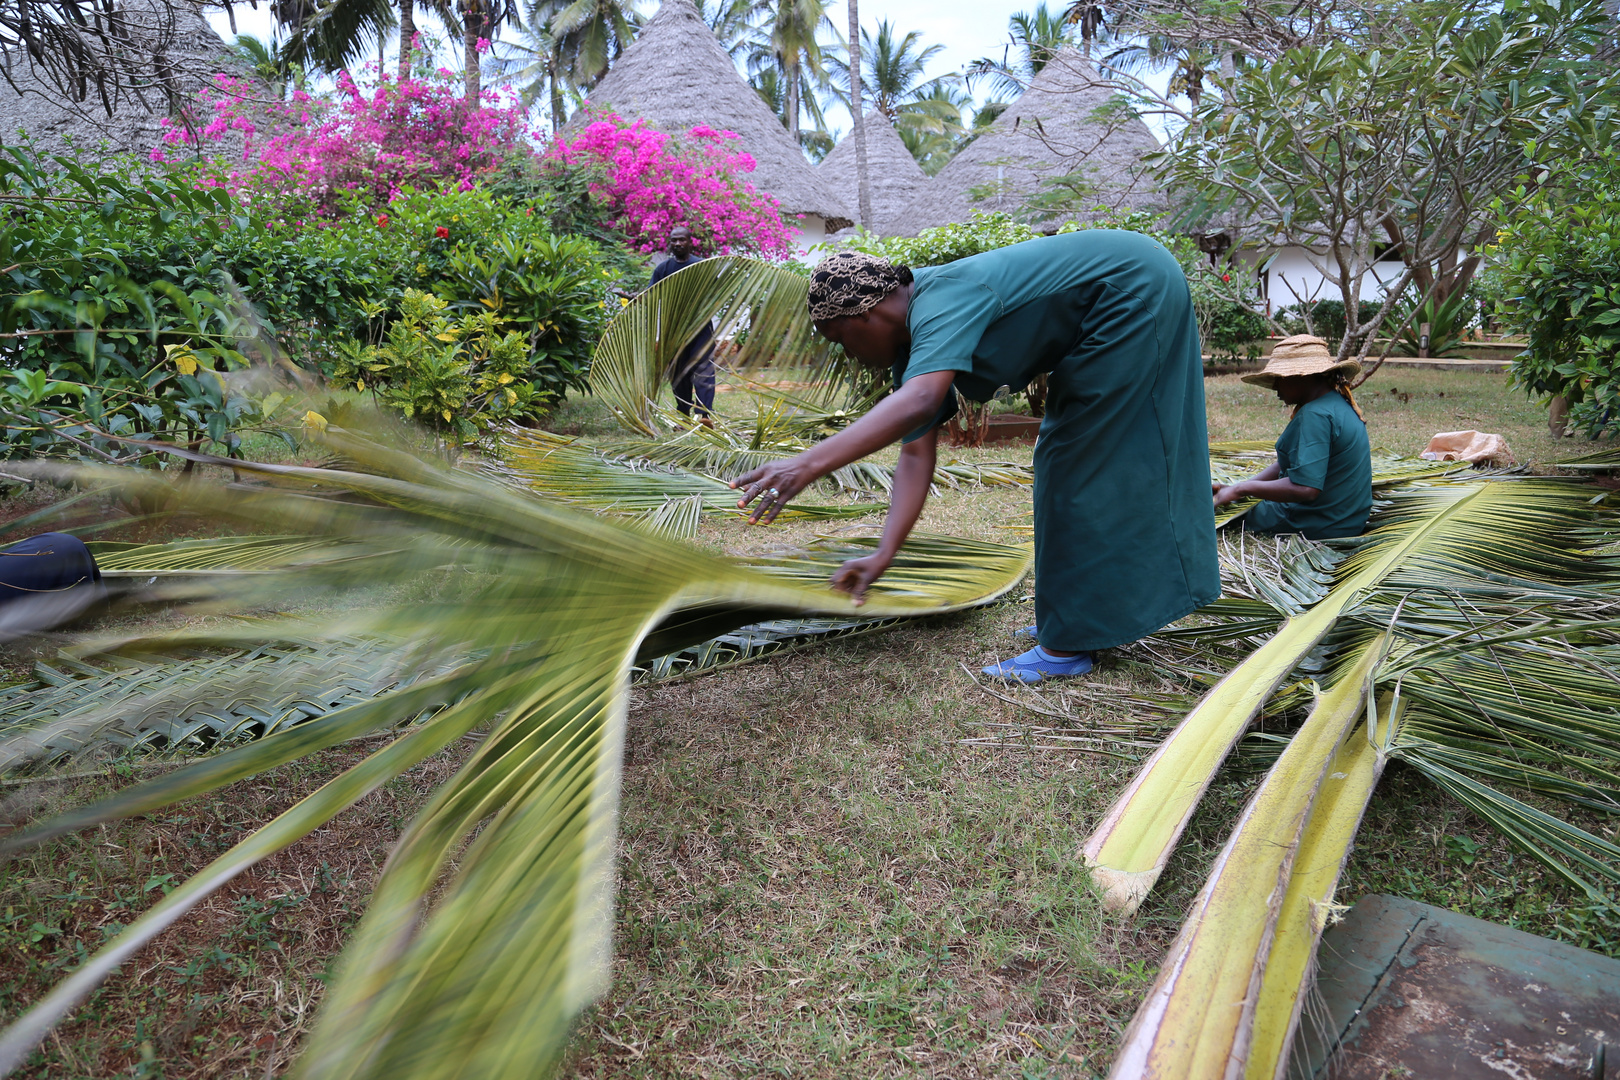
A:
[1124,523]
[1323,447]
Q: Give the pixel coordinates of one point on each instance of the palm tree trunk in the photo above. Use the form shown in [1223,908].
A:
[472,20]
[863,181]
[554,77]
[793,102]
[407,36]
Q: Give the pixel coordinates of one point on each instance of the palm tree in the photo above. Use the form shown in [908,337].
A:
[863,182]
[331,36]
[1090,16]
[444,9]
[931,125]
[266,62]
[1032,41]
[534,62]
[592,34]
[479,21]
[772,87]
[894,73]
[787,41]
[563,46]
[732,22]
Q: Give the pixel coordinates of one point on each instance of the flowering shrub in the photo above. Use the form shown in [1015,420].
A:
[651,183]
[373,142]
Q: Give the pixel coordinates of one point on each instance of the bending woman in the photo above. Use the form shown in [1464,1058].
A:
[1124,527]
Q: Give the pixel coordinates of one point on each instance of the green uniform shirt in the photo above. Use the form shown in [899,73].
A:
[1325,447]
[1124,525]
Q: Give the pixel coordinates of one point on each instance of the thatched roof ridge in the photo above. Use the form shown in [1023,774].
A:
[676,76]
[1054,129]
[894,175]
[179,53]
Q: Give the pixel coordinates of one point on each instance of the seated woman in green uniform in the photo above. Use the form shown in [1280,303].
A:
[1124,534]
[1321,482]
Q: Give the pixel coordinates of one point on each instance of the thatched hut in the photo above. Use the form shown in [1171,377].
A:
[1066,126]
[892,173]
[178,53]
[676,76]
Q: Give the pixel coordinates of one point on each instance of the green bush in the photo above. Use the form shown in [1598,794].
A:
[112,269]
[312,279]
[1326,318]
[457,376]
[1560,269]
[108,278]
[552,287]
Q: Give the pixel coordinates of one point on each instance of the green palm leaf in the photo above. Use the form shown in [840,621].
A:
[759,310]
[486,981]
[1435,535]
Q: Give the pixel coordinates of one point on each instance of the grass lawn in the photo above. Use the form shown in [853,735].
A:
[818,876]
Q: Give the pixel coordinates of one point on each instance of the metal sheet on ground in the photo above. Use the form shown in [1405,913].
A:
[1409,990]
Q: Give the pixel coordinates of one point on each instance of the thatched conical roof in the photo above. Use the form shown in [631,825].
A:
[676,77]
[177,51]
[1066,122]
[893,174]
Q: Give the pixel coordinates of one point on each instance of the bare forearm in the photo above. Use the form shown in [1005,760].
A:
[912,478]
[1277,490]
[891,420]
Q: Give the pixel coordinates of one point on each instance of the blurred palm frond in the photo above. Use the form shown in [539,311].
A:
[760,316]
[535,649]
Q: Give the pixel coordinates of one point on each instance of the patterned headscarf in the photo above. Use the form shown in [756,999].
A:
[851,283]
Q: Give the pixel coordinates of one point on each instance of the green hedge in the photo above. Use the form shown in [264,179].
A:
[1559,262]
[115,272]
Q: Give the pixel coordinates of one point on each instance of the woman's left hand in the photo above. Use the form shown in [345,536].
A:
[773,484]
[1227,494]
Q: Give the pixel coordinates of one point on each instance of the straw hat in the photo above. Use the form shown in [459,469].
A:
[1301,354]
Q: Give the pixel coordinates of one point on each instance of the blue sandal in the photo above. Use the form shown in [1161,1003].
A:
[1038,664]
[1028,631]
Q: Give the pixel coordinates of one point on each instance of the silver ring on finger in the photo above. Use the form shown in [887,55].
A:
[773,493]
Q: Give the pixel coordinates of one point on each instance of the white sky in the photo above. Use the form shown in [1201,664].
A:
[968,29]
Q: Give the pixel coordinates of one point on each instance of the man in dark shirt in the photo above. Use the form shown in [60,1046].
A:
[692,374]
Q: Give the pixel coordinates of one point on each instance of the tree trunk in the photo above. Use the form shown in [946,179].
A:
[473,25]
[407,36]
[863,180]
[793,102]
[554,77]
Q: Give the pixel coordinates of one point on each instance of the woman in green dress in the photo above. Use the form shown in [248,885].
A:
[1124,527]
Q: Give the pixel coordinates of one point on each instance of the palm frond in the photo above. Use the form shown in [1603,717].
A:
[1199,1014]
[561,469]
[759,312]
[1497,653]
[487,982]
[1230,462]
[1597,461]
[216,555]
[724,452]
[1436,535]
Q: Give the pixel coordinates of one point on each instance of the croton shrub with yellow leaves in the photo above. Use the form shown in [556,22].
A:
[454,373]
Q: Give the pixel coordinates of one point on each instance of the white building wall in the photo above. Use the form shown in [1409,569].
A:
[1292,279]
[812,231]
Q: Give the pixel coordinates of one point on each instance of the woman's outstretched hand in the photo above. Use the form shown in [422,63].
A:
[773,484]
[855,575]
